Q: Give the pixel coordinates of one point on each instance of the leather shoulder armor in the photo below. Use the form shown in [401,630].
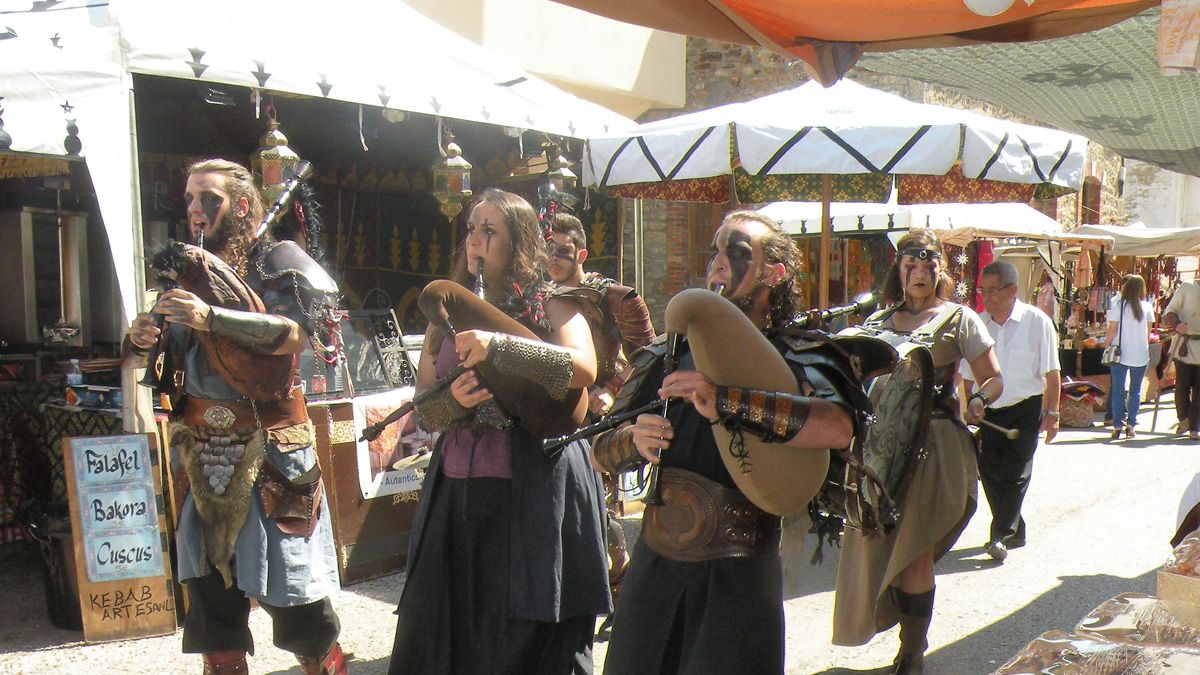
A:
[647,375]
[293,285]
[284,258]
[829,366]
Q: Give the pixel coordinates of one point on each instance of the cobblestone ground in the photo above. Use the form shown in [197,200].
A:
[1100,515]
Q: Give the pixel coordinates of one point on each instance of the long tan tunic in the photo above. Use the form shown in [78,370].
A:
[939,502]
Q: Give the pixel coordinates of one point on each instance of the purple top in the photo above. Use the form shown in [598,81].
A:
[466,453]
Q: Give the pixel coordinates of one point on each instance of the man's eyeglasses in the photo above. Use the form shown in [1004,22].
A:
[983,290]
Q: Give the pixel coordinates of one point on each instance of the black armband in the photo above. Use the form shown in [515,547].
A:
[615,452]
[774,417]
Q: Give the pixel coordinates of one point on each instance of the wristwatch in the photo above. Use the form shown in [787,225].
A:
[1050,413]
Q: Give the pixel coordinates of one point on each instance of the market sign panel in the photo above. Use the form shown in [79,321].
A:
[124,574]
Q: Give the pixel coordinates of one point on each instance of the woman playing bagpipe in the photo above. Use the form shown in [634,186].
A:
[744,439]
[507,568]
[888,578]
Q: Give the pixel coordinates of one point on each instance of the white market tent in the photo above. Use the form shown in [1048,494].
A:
[1138,240]
[960,222]
[843,129]
[74,61]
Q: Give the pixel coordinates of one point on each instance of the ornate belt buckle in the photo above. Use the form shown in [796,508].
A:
[219,417]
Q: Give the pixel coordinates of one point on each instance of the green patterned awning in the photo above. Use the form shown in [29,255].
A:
[1104,85]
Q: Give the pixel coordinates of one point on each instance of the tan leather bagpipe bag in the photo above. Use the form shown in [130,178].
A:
[731,351]
[534,409]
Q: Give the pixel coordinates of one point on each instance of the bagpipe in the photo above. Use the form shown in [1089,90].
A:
[451,308]
[260,377]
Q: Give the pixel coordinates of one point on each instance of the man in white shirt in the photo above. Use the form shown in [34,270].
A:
[1027,346]
[1184,313]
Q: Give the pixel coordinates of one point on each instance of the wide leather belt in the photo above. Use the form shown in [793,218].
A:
[701,519]
[219,416]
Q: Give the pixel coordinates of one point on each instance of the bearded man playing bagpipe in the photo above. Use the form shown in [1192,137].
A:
[224,344]
[752,411]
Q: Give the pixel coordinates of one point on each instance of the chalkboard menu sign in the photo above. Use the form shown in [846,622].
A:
[115,492]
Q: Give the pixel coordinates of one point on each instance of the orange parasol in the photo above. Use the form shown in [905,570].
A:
[830,39]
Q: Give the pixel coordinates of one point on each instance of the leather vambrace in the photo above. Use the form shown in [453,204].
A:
[544,364]
[615,452]
[775,417]
[261,333]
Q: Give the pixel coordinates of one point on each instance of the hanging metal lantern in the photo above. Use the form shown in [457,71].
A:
[274,163]
[451,179]
[560,175]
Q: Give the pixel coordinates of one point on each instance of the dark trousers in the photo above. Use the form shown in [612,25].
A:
[1187,395]
[1005,466]
[217,618]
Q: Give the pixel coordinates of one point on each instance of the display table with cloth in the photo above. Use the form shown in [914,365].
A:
[1084,364]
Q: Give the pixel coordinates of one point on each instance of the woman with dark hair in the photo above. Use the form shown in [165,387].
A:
[888,579]
[507,565]
[1129,319]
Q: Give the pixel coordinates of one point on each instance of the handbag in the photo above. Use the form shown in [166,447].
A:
[1111,355]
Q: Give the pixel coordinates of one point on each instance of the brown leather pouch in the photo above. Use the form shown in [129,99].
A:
[701,519]
[292,504]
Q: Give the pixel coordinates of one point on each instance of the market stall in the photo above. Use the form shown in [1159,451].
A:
[105,105]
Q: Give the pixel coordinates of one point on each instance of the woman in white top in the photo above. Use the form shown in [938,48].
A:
[1129,319]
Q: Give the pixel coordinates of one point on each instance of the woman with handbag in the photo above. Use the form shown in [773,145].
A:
[1127,352]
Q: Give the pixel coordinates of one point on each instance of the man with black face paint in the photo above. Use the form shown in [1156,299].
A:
[620,324]
[254,522]
[718,608]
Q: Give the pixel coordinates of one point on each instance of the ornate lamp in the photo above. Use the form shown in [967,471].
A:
[451,179]
[274,163]
[560,175]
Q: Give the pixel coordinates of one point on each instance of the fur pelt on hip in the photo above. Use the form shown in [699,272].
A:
[222,516]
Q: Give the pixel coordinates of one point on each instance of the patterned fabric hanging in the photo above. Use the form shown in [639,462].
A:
[857,187]
[714,190]
[954,187]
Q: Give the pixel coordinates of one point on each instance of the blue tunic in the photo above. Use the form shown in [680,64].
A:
[275,568]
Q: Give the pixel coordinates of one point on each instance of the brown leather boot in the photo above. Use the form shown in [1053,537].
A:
[916,612]
[333,663]
[226,663]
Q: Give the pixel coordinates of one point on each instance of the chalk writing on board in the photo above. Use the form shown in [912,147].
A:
[129,603]
[115,487]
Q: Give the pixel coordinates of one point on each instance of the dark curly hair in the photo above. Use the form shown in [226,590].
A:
[777,246]
[893,290]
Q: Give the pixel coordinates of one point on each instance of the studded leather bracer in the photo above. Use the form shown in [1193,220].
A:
[441,412]
[615,452]
[261,333]
[544,364]
[774,417]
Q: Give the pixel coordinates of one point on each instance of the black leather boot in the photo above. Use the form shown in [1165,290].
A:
[916,612]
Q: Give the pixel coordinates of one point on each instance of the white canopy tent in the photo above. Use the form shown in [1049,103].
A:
[843,129]
[73,64]
[957,223]
[1139,240]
